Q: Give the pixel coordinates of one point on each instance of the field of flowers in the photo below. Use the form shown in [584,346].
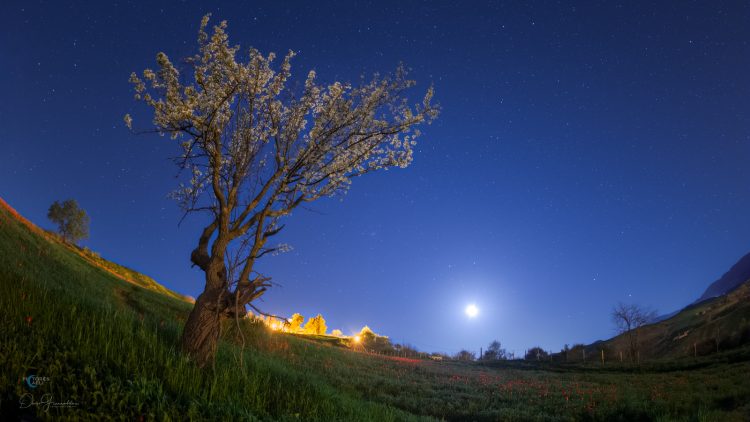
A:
[703,389]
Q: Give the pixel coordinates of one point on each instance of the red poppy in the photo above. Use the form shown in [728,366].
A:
[28,319]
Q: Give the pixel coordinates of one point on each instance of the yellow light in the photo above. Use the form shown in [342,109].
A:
[274,326]
[472,310]
[357,339]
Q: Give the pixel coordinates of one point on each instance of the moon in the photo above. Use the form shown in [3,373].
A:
[472,311]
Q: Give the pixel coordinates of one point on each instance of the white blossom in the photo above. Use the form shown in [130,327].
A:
[254,149]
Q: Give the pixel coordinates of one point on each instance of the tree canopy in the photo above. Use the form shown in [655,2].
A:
[494,352]
[536,353]
[316,325]
[465,355]
[295,322]
[72,221]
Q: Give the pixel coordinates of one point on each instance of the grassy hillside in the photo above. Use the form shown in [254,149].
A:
[116,270]
[719,323]
[125,273]
[701,329]
[108,346]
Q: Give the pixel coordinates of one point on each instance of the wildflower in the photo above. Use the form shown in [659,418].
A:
[28,319]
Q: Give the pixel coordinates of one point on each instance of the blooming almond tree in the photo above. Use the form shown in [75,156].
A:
[253,149]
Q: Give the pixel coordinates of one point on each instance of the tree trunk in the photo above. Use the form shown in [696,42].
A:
[201,335]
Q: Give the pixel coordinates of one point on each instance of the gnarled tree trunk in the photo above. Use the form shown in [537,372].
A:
[201,335]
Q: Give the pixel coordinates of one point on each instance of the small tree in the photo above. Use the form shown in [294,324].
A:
[316,325]
[374,342]
[72,221]
[295,322]
[465,355]
[536,353]
[565,352]
[366,334]
[494,352]
[337,333]
[628,319]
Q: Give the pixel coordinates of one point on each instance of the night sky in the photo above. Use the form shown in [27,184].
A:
[585,155]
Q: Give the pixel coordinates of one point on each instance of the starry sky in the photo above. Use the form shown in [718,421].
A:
[586,154]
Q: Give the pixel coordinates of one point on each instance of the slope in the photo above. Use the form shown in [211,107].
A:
[107,345]
[700,329]
[116,270]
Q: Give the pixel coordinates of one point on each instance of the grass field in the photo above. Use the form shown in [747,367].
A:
[108,348]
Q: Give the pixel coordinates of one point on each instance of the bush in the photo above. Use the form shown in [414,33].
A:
[536,353]
[465,355]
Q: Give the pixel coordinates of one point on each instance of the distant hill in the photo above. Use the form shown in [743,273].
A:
[718,320]
[738,274]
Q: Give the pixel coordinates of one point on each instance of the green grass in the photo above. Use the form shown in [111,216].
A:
[111,347]
[126,273]
[694,330]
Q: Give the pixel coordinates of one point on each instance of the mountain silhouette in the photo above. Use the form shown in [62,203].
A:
[738,274]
